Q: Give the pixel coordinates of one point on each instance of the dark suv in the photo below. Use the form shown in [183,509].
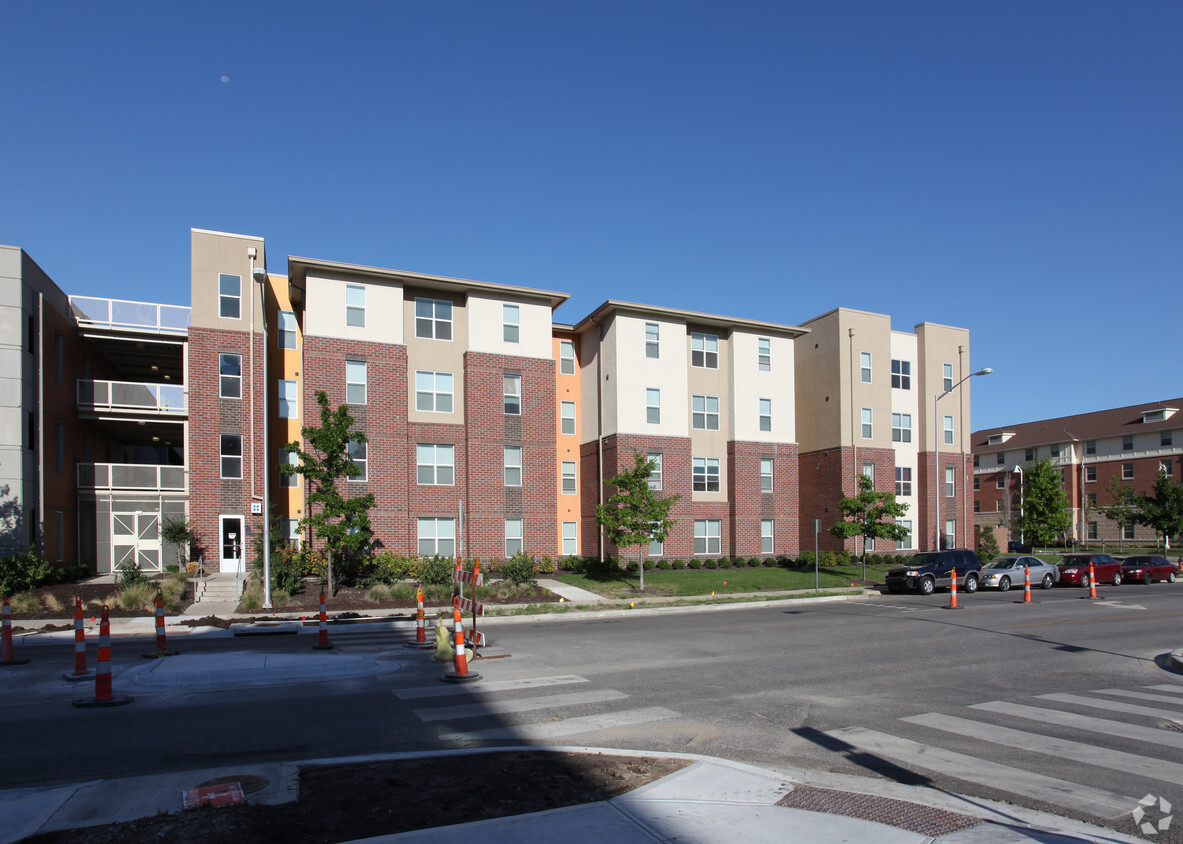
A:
[930,569]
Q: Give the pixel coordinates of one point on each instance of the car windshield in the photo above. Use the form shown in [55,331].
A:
[923,560]
[1136,561]
[1074,561]
[1001,564]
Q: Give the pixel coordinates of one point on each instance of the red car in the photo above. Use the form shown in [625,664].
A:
[1074,569]
[1147,569]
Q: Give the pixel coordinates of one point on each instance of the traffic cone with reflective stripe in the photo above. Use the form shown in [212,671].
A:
[952,590]
[420,642]
[103,695]
[1092,581]
[461,674]
[322,636]
[1027,586]
[6,657]
[80,670]
[161,641]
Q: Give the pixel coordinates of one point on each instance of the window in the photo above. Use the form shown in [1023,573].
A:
[511,323]
[289,402]
[59,450]
[1090,446]
[1000,481]
[231,452]
[1001,458]
[949,540]
[706,474]
[355,305]
[570,545]
[435,465]
[869,471]
[1127,471]
[1090,474]
[652,406]
[512,392]
[865,367]
[355,382]
[652,340]
[903,480]
[433,319]
[765,414]
[947,371]
[433,391]
[1092,499]
[357,456]
[569,477]
[705,415]
[948,430]
[1127,530]
[704,350]
[1055,449]
[1028,455]
[567,417]
[566,357]
[656,548]
[1127,442]
[655,470]
[707,539]
[513,537]
[288,458]
[1092,530]
[977,506]
[868,423]
[901,374]
[950,478]
[977,484]
[765,474]
[1167,467]
[437,537]
[230,378]
[977,461]
[1165,438]
[513,465]
[766,536]
[906,542]
[901,427]
[764,354]
[287,330]
[229,296]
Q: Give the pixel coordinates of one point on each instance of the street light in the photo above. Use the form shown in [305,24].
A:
[1166,538]
[937,434]
[260,275]
[1019,469]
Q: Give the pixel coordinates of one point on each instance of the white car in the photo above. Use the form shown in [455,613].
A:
[1003,573]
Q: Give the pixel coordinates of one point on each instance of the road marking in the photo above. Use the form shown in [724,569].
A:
[1088,723]
[1113,760]
[1138,696]
[526,704]
[1093,619]
[1054,790]
[1118,605]
[489,686]
[1176,689]
[570,726]
[1110,705]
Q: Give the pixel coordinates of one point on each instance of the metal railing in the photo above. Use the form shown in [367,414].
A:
[141,397]
[132,476]
[122,313]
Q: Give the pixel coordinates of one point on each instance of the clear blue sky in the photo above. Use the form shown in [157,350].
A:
[1010,167]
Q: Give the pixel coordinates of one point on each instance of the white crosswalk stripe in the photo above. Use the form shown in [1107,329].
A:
[568,726]
[1111,706]
[490,686]
[1139,696]
[526,704]
[1088,723]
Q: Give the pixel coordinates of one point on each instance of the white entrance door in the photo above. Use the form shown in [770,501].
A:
[135,539]
[232,538]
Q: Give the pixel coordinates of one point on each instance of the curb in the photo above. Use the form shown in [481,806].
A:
[1175,658]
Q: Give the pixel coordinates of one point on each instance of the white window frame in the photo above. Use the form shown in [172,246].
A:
[230,458]
[356,379]
[435,464]
[287,397]
[512,458]
[511,323]
[570,539]
[355,306]
[433,318]
[290,458]
[224,380]
[869,471]
[652,340]
[704,410]
[229,296]
[765,414]
[566,417]
[947,376]
[286,338]
[436,388]
[704,350]
[763,354]
[706,474]
[864,367]
[868,423]
[569,477]
[903,481]
[906,542]
[901,427]
[708,538]
[950,482]
[435,536]
[652,406]
[566,357]
[948,430]
[1127,471]
[1090,474]
[291,532]
[655,470]
[511,394]
[514,531]
[766,474]
[767,531]
[359,457]
[901,374]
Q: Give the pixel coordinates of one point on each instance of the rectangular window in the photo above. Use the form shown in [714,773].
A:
[705,413]
[901,427]
[287,330]
[569,487]
[1127,442]
[355,306]
[865,367]
[567,417]
[901,374]
[948,430]
[289,402]
[947,370]
[437,537]
[1090,446]
[950,531]
[903,480]
[869,471]
[1092,530]
[511,323]
[765,414]
[765,474]
[1001,458]
[1055,449]
[566,357]
[1028,455]
[357,456]
[704,350]
[1127,471]
[1092,499]
[707,538]
[655,470]
[355,382]
[289,458]
[291,532]
[868,416]
[433,319]
[229,296]
[59,450]
[764,354]
[433,391]
[977,484]
[977,460]
[977,506]
[1127,530]
[435,465]
[513,465]
[570,544]
[950,478]
[1000,481]
[652,340]
[513,537]
[512,393]
[230,449]
[652,406]
[766,536]
[706,474]
[230,376]
[1165,438]
[655,549]
[1167,467]
[1090,474]
[906,542]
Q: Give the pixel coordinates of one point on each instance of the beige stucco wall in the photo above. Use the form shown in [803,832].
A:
[324,314]
[750,384]
[628,373]
[485,327]
[212,253]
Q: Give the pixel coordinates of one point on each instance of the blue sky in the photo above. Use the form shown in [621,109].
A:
[1010,167]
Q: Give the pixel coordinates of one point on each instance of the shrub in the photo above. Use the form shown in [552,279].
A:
[137,596]
[664,565]
[130,575]
[632,568]
[769,562]
[22,572]
[389,567]
[678,565]
[436,571]
[710,564]
[520,569]
[724,563]
[695,564]
[753,562]
[545,564]
[25,602]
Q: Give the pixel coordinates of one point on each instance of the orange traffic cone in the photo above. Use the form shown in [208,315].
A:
[461,673]
[420,642]
[102,678]
[322,636]
[1027,586]
[6,657]
[1092,581]
[161,640]
[80,670]
[952,590]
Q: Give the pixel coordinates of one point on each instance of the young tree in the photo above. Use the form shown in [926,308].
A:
[343,523]
[635,514]
[864,514]
[987,543]
[1163,510]
[1045,507]
[177,532]
[1123,508]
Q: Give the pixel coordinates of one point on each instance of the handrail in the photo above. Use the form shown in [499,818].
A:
[139,396]
[133,476]
[124,313]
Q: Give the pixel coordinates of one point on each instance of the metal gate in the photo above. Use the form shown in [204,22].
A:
[135,538]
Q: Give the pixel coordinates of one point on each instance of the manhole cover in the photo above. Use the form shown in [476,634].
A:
[249,782]
[923,820]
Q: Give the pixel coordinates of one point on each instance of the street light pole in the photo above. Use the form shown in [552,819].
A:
[1019,469]
[938,432]
[260,275]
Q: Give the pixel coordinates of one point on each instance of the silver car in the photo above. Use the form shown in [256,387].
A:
[1002,573]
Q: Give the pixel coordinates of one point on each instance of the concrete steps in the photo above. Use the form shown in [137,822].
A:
[223,587]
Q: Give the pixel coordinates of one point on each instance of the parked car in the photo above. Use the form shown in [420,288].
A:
[1074,569]
[1002,573]
[930,569]
[1147,569]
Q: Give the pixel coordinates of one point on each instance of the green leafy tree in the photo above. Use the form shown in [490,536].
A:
[177,532]
[635,514]
[1123,506]
[1162,511]
[1045,507]
[987,543]
[343,523]
[865,513]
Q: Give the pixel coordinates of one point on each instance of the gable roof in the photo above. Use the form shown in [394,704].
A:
[1114,422]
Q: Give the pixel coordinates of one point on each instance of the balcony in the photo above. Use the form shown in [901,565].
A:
[124,315]
[132,477]
[128,397]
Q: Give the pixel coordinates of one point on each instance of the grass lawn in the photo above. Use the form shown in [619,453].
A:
[695,582]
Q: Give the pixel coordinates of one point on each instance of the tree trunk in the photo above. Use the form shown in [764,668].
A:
[641,564]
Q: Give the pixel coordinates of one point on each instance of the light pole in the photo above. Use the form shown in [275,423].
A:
[938,432]
[1166,539]
[1019,469]
[260,275]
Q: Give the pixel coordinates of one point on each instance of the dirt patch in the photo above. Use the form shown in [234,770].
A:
[360,801]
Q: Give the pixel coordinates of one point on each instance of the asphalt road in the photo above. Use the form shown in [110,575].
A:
[1065,705]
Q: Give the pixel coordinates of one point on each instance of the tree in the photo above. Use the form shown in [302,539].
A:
[1045,507]
[987,543]
[343,523]
[864,514]
[635,514]
[1123,508]
[177,532]
[1162,511]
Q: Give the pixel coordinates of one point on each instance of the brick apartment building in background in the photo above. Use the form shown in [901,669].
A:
[490,427]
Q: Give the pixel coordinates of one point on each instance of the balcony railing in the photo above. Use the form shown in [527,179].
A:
[131,476]
[132,397]
[121,313]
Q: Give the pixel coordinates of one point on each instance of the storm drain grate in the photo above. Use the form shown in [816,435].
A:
[913,817]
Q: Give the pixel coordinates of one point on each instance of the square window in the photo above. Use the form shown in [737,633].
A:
[513,537]
[765,474]
[652,406]
[355,306]
[230,376]
[512,390]
[903,480]
[707,537]
[1055,450]
[901,374]
[357,456]
[765,414]
[355,382]
[229,296]
[437,537]
[287,330]
[433,391]
[513,465]
[289,458]
[1127,471]
[868,417]
[1092,499]
[901,427]
[948,430]
[569,484]
[570,543]
[764,354]
[655,470]
[706,474]
[435,465]
[704,350]
[566,357]
[230,449]
[865,367]
[433,319]
[652,340]
[511,323]
[289,401]
[705,413]
[947,371]
[567,417]
[766,536]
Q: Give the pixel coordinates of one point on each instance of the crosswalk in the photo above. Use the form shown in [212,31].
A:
[1050,726]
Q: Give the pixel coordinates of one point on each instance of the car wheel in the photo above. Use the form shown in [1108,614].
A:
[1146,578]
[971,583]
[1117,579]
[1084,581]
[926,586]
[1047,582]
[1004,584]
[1171,577]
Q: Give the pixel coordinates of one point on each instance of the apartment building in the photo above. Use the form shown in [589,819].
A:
[1130,444]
